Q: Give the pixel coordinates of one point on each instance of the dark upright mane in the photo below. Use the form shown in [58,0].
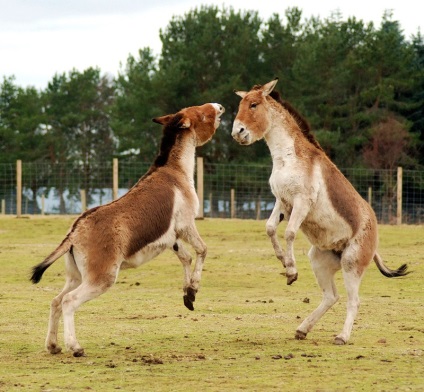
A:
[170,132]
[301,121]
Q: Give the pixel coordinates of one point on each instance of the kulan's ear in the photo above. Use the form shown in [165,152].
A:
[163,120]
[241,94]
[184,123]
[267,88]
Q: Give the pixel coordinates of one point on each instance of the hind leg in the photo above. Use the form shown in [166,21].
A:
[352,282]
[324,264]
[74,299]
[73,280]
[354,262]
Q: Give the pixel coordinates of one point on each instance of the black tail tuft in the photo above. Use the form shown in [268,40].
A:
[401,271]
[37,272]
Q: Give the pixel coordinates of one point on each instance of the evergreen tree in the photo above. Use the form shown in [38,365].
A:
[21,123]
[78,135]
[137,101]
[205,56]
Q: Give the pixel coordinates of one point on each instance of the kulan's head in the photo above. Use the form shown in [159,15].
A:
[252,121]
[200,121]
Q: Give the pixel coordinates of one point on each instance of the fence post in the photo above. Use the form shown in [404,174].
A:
[232,204]
[210,205]
[83,201]
[43,199]
[370,196]
[399,196]
[258,208]
[115,179]
[200,195]
[18,188]
[3,206]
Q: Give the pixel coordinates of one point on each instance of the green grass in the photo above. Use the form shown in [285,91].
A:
[140,337]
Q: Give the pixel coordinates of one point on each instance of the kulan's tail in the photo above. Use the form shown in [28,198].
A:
[386,271]
[38,270]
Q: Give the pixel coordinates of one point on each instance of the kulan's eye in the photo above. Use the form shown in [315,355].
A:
[253,105]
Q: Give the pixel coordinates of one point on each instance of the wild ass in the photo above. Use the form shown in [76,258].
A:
[156,214]
[315,197]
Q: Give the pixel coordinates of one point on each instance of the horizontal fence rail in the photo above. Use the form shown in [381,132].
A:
[224,190]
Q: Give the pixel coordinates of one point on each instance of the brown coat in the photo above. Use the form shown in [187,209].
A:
[158,213]
[315,197]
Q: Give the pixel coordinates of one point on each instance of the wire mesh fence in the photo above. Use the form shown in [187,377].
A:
[252,197]
[230,190]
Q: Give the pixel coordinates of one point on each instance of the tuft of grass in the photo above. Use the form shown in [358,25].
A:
[139,336]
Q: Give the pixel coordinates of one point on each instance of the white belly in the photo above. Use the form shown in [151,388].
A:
[152,250]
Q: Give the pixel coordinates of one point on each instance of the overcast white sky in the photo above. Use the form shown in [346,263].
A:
[39,38]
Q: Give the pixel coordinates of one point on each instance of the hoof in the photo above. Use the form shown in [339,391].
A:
[291,279]
[339,341]
[53,349]
[79,353]
[191,294]
[300,335]
[188,303]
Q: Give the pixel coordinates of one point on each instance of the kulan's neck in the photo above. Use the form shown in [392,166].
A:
[182,156]
[280,143]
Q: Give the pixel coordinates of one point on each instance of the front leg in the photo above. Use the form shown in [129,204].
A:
[271,230]
[191,286]
[185,258]
[297,216]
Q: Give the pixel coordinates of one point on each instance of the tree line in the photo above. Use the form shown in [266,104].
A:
[360,87]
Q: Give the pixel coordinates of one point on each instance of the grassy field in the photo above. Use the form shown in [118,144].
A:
[140,337]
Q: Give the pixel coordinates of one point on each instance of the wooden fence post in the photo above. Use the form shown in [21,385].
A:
[83,201]
[210,205]
[258,208]
[3,206]
[115,179]
[18,188]
[370,196]
[232,204]
[200,190]
[399,196]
